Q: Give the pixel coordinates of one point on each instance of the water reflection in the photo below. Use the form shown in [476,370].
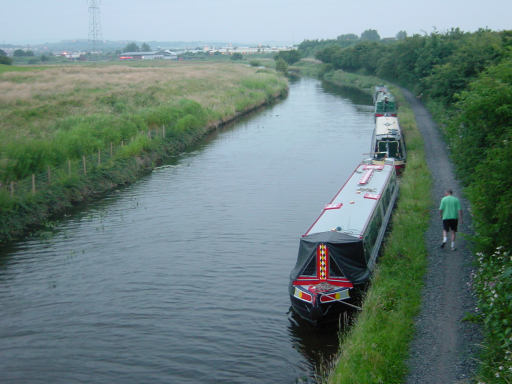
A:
[355,95]
[319,344]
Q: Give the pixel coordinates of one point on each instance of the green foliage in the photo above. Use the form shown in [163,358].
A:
[480,134]
[348,37]
[236,56]
[22,53]
[25,158]
[145,47]
[370,35]
[493,284]
[77,136]
[138,145]
[290,57]
[281,66]
[402,35]
[453,65]
[131,47]
[5,60]
[439,65]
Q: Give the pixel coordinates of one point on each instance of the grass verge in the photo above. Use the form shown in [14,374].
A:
[376,347]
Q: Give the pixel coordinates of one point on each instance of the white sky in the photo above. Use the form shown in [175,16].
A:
[243,21]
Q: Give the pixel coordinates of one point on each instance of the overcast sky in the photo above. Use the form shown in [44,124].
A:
[243,21]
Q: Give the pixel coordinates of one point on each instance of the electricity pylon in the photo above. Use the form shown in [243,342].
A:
[94,23]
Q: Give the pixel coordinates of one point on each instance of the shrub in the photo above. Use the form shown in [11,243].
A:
[493,285]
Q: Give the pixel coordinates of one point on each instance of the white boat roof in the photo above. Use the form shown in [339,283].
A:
[352,207]
[387,125]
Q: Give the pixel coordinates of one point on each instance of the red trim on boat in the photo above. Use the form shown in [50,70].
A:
[337,283]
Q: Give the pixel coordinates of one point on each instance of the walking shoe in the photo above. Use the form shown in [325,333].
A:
[454,248]
[442,244]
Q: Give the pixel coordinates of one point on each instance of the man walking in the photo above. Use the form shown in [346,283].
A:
[451,213]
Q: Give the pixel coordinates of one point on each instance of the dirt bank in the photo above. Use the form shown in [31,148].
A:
[445,347]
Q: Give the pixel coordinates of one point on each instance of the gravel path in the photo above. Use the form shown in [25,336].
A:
[445,347]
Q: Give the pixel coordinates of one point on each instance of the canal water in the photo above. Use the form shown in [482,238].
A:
[182,277]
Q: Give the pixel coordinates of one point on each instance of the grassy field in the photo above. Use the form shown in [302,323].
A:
[77,124]
[375,348]
[33,101]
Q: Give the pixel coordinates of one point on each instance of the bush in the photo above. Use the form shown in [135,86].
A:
[493,285]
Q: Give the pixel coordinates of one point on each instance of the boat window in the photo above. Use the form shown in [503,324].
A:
[378,217]
[334,270]
[367,250]
[385,198]
[371,235]
[382,146]
[393,148]
[374,226]
[310,269]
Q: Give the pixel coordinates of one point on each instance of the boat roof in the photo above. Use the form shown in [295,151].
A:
[387,125]
[351,208]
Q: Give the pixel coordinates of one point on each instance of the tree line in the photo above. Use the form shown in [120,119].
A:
[467,77]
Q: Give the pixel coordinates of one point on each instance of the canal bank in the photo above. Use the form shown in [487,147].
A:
[31,210]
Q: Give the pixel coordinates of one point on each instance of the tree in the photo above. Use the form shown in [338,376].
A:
[281,66]
[348,37]
[236,56]
[22,53]
[145,47]
[291,57]
[132,47]
[402,35]
[370,35]
[5,60]
[3,53]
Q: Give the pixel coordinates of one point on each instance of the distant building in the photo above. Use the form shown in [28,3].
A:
[154,55]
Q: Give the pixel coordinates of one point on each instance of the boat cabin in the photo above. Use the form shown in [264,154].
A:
[379,89]
[388,142]
[385,105]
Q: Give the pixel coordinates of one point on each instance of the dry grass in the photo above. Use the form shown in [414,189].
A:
[31,102]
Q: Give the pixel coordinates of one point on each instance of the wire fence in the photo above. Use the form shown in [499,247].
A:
[80,167]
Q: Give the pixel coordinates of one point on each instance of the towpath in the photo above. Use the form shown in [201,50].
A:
[444,348]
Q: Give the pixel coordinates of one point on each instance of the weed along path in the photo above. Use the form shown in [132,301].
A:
[444,349]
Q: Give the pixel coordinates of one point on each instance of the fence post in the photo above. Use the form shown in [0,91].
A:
[12,188]
[163,131]
[69,167]
[85,166]
[49,175]
[33,183]
[111,149]
[99,156]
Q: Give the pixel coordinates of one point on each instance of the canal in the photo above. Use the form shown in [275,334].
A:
[182,277]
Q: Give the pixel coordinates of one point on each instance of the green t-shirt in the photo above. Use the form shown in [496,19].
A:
[450,207]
